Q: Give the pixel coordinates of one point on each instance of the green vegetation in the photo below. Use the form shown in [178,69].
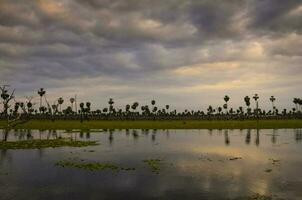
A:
[92,166]
[255,197]
[154,164]
[39,144]
[158,124]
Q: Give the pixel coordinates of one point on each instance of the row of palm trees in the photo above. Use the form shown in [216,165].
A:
[12,107]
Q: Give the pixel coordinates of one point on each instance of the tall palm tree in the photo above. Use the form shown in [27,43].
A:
[256,97]
[226,99]
[295,101]
[300,103]
[6,98]
[72,100]
[247,101]
[111,102]
[60,102]
[41,93]
[219,109]
[272,99]
[134,106]
[88,104]
[127,108]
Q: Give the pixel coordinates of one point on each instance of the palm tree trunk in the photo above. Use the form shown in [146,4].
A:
[40,104]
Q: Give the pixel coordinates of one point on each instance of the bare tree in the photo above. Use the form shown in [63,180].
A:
[6,98]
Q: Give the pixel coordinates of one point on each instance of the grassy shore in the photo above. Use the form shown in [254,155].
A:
[164,124]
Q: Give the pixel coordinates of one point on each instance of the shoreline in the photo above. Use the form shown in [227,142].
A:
[159,124]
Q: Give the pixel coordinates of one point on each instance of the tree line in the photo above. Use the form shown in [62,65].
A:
[14,109]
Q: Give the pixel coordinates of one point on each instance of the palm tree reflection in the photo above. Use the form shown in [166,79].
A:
[226,137]
[135,134]
[257,141]
[298,135]
[154,135]
[111,131]
[127,132]
[274,136]
[248,136]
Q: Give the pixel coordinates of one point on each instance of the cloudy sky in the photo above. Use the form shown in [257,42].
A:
[186,53]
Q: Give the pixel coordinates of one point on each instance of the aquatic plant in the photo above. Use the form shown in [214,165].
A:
[153,164]
[39,144]
[92,166]
[255,197]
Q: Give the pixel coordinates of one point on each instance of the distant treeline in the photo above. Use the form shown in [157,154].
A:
[71,109]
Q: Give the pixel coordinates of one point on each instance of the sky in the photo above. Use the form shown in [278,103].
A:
[185,53]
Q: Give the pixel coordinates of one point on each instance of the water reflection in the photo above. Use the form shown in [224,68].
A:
[27,134]
[226,137]
[111,131]
[274,136]
[298,135]
[197,164]
[248,137]
[257,141]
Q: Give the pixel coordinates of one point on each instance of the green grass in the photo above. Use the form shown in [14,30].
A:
[158,124]
[39,144]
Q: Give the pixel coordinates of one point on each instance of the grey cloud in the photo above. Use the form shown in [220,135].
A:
[140,44]
[274,16]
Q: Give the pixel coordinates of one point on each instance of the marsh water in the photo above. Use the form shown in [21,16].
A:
[194,164]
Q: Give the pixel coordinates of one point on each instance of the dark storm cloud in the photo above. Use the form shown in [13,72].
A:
[168,47]
[276,16]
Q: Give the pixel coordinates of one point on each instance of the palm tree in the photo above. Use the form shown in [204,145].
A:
[256,97]
[134,106]
[247,101]
[54,108]
[41,93]
[219,109]
[127,108]
[72,100]
[6,98]
[272,99]
[226,99]
[154,109]
[296,101]
[88,104]
[167,108]
[111,102]
[300,103]
[60,102]
[225,106]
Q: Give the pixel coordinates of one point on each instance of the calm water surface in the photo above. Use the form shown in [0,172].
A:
[196,164]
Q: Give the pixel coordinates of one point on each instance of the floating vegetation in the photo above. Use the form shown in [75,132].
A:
[275,161]
[154,164]
[92,166]
[90,151]
[84,130]
[255,197]
[235,158]
[219,159]
[39,144]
